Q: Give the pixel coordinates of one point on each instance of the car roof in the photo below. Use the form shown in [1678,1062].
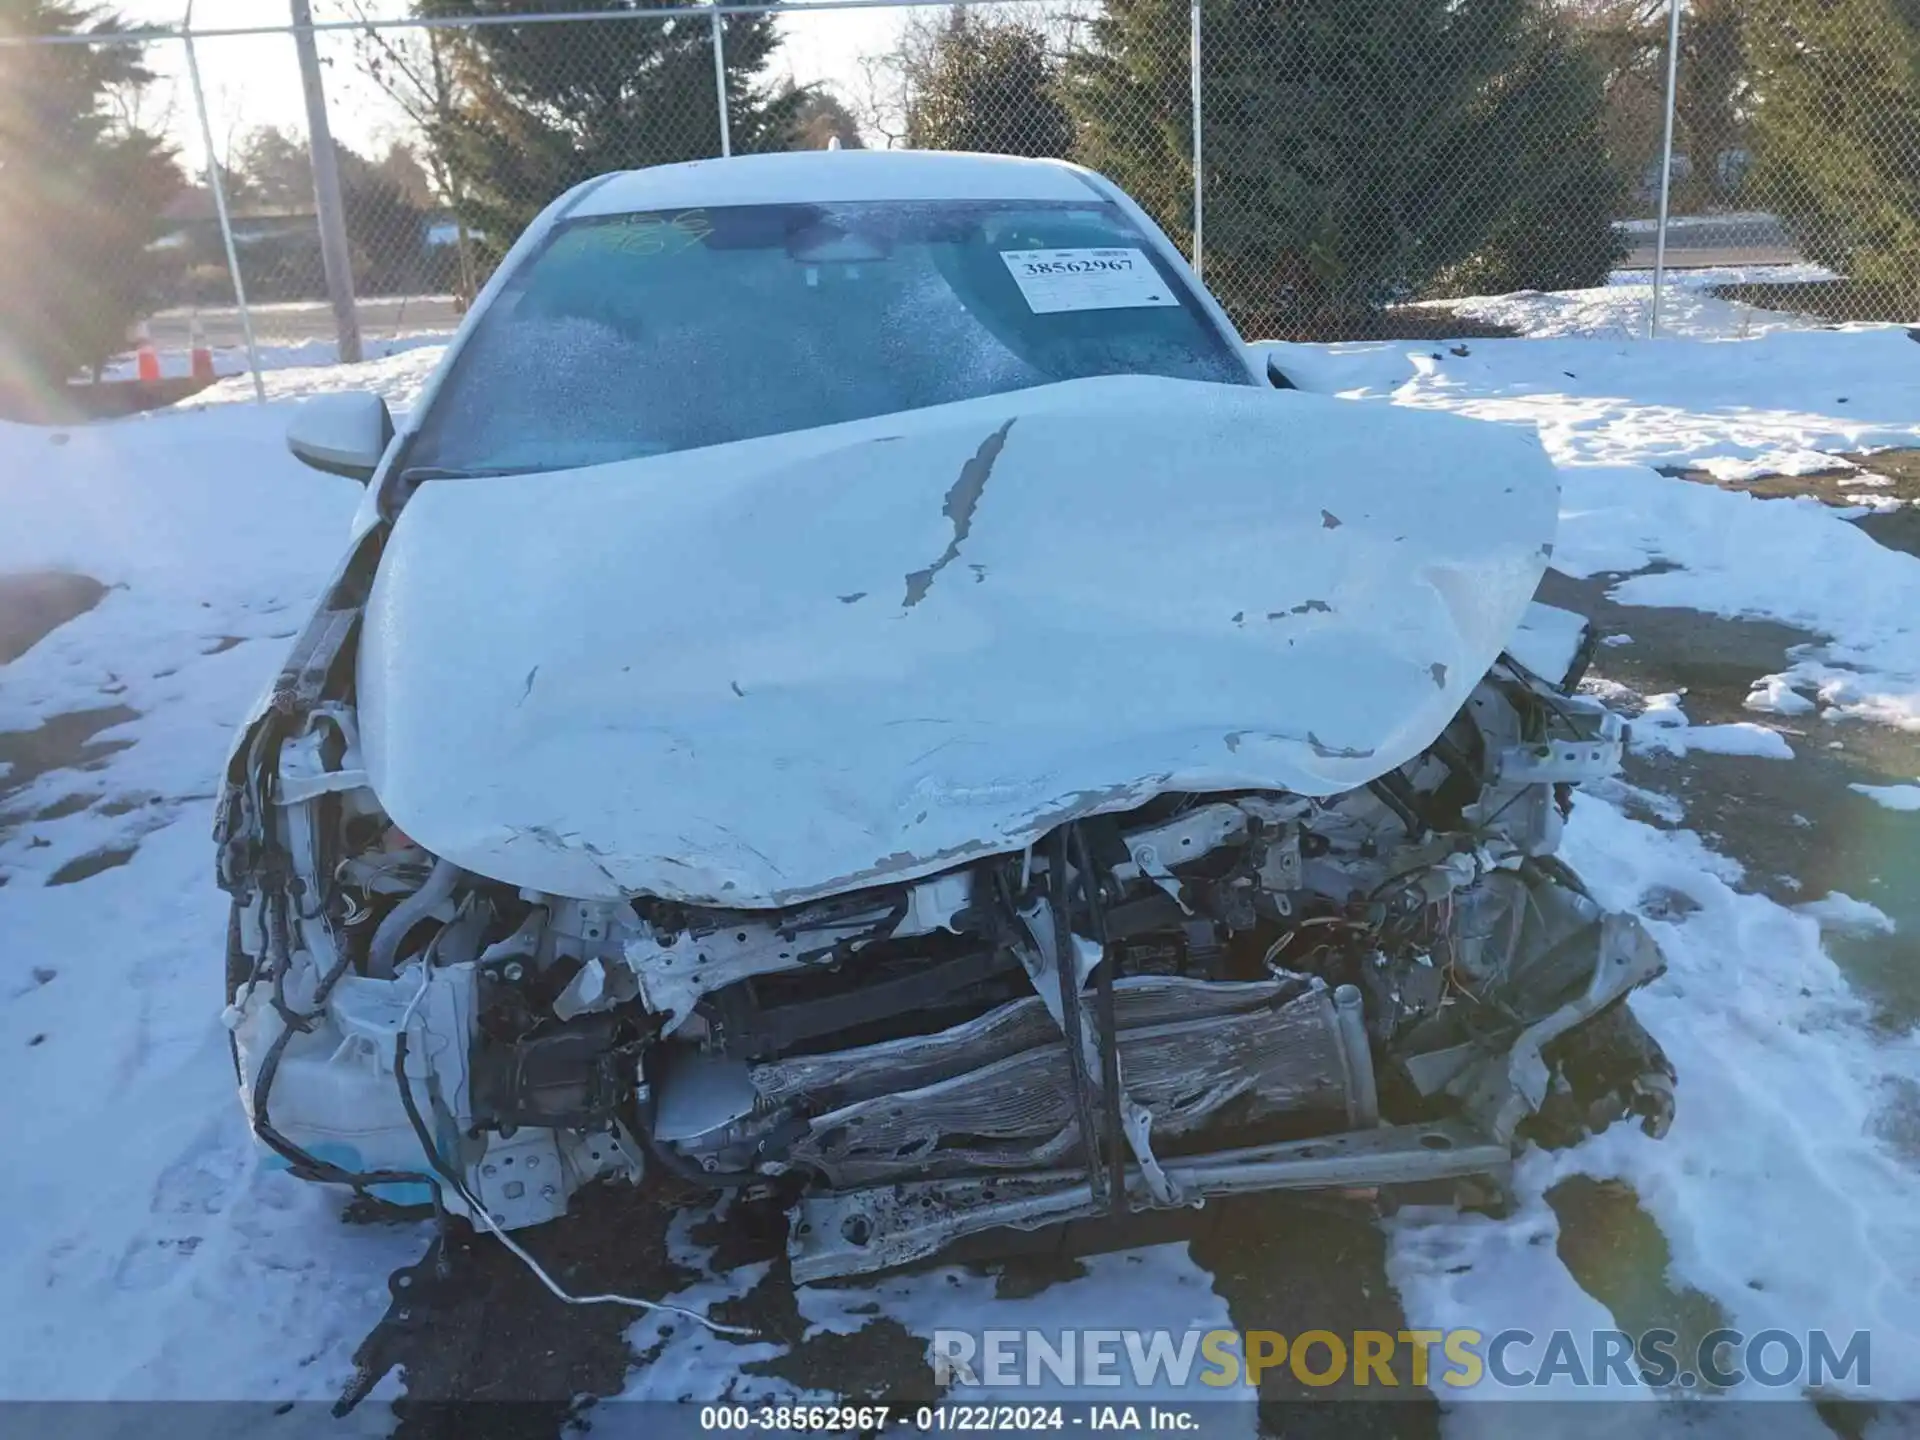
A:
[803,176]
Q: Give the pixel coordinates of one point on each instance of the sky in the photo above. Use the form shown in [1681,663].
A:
[253,81]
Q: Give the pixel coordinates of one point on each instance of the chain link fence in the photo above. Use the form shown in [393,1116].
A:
[1338,168]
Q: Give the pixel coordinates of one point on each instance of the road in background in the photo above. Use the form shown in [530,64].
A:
[302,322]
[1695,242]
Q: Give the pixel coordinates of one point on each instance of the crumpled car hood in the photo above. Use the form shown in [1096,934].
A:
[759,673]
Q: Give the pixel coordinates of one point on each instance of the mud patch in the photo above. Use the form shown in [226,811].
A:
[1616,1252]
[1796,826]
[504,1338]
[1885,475]
[64,742]
[127,804]
[1802,834]
[1711,658]
[35,604]
[1291,1264]
[89,865]
[881,1362]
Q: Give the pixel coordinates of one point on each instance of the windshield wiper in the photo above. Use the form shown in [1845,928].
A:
[415,474]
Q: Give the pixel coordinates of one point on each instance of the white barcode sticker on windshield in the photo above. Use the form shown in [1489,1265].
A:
[1056,280]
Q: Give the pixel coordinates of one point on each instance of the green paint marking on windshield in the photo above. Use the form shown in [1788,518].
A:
[643,236]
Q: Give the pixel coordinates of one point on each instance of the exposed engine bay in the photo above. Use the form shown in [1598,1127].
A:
[1202,995]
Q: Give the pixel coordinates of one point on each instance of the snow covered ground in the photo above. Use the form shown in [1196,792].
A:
[152,1253]
[177,362]
[1623,307]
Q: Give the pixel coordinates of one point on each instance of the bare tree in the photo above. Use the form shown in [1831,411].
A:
[1628,39]
[880,97]
[890,80]
[419,71]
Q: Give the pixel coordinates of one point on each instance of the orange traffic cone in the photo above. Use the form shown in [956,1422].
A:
[202,356]
[146,359]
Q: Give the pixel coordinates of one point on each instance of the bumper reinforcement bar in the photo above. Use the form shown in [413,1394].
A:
[875,1229]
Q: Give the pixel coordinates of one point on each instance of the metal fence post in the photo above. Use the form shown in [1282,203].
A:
[336,259]
[720,82]
[1199,206]
[219,188]
[1666,166]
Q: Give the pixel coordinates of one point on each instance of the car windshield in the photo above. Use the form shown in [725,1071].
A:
[641,334]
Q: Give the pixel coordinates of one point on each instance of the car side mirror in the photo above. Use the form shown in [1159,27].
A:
[342,434]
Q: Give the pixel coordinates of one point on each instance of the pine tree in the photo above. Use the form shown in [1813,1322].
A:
[1130,95]
[985,85]
[1712,99]
[1358,152]
[1546,221]
[275,171]
[542,107]
[84,195]
[386,227]
[1837,133]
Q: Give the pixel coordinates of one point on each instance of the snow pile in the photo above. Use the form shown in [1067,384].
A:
[1744,557]
[397,378]
[1774,695]
[1621,309]
[1894,797]
[1839,911]
[1663,727]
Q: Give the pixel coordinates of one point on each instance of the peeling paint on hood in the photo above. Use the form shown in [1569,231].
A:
[696,676]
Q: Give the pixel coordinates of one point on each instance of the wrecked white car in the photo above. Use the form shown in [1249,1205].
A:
[854,683]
